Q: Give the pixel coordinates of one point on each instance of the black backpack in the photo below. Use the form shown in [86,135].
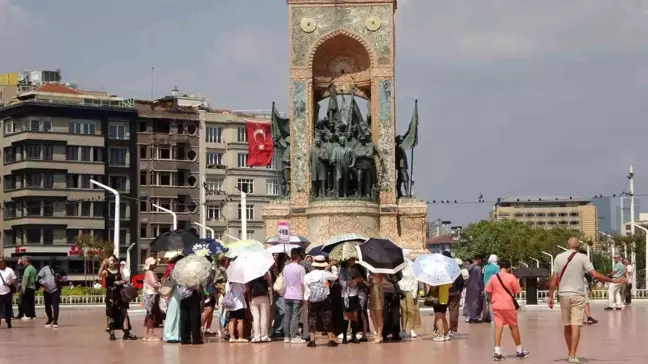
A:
[259,287]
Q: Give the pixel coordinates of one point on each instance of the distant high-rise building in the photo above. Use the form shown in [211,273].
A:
[614,212]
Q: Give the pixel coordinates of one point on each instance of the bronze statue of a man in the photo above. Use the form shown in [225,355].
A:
[319,168]
[343,159]
[401,168]
[364,153]
[285,169]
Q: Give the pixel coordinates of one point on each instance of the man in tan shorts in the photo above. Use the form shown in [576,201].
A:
[569,269]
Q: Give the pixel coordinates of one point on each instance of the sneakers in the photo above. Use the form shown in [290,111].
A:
[311,344]
[522,355]
[573,360]
[286,340]
[441,338]
[25,318]
[297,340]
[332,344]
[498,357]
[55,325]
[48,324]
[591,321]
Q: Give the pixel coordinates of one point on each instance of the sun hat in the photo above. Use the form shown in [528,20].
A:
[149,262]
[319,262]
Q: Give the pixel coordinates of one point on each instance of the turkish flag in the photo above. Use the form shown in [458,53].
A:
[260,145]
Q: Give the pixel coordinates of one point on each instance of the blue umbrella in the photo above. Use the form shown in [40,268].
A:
[317,250]
[204,247]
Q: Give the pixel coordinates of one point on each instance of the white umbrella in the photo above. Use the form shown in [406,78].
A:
[435,269]
[294,239]
[192,271]
[249,266]
[342,238]
[282,248]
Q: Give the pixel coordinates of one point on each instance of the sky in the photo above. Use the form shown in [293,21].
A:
[515,97]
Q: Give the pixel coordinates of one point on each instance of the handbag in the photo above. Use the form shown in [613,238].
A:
[167,287]
[515,302]
[229,301]
[562,273]
[128,294]
[279,285]
[12,287]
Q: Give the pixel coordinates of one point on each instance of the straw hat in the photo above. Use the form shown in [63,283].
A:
[149,262]
[319,262]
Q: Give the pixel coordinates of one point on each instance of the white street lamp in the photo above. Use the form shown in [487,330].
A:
[117,218]
[634,264]
[552,260]
[175,217]
[526,265]
[213,233]
[562,247]
[588,249]
[613,249]
[537,262]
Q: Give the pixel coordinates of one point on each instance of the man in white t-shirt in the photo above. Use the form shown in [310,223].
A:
[628,288]
[7,279]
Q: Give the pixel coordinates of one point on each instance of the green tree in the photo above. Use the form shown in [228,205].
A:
[93,250]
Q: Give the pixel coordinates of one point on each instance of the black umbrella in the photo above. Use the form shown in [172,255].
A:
[174,240]
[381,256]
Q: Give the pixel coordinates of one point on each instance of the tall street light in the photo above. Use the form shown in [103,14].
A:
[588,249]
[562,247]
[634,264]
[613,250]
[175,217]
[552,260]
[116,215]
[213,233]
[537,262]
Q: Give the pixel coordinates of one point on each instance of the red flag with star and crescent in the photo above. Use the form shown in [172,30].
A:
[260,145]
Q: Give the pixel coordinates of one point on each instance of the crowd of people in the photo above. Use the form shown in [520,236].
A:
[302,295]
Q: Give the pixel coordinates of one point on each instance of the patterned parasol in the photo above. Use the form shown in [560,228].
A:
[192,271]
[344,251]
[339,239]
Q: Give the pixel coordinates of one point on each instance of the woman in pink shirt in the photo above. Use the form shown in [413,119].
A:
[501,289]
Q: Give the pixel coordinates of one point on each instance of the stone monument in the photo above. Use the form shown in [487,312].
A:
[342,169]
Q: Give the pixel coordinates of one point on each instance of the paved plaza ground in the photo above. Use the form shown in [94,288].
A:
[620,337]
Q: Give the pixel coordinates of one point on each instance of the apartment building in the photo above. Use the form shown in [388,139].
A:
[227,174]
[186,146]
[576,213]
[55,139]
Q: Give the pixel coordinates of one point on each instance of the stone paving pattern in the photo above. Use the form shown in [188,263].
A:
[618,338]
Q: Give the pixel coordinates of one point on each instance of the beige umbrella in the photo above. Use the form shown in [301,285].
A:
[344,251]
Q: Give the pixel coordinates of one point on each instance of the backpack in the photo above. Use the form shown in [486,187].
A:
[259,287]
[318,291]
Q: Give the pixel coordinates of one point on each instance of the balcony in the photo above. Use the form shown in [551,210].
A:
[71,194]
[168,165]
[165,218]
[64,138]
[57,220]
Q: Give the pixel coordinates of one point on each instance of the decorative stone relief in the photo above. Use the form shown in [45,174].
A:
[329,19]
[386,134]
[298,137]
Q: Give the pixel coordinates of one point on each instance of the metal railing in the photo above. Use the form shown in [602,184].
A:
[100,299]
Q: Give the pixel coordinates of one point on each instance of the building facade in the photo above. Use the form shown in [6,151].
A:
[550,211]
[614,212]
[55,140]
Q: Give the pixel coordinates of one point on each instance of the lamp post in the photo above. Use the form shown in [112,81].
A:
[128,258]
[537,262]
[213,233]
[175,217]
[634,264]
[526,265]
[588,249]
[613,250]
[562,247]
[552,260]
[117,218]
[243,214]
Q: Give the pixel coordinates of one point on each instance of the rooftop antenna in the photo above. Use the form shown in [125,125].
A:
[152,81]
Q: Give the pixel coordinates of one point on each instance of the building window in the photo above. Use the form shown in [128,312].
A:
[214,185]
[33,180]
[34,125]
[9,127]
[246,185]
[48,181]
[98,155]
[85,154]
[117,131]
[117,156]
[72,209]
[213,212]
[119,183]
[574,223]
[214,134]
[272,187]
[48,208]
[48,152]
[33,151]
[214,159]
[274,163]
[34,208]
[9,182]
[242,135]
[574,214]
[164,202]
[159,229]
[72,181]
[250,234]
[163,153]
[46,125]
[72,153]
[86,128]
[33,236]
[143,178]
[98,209]
[9,154]
[164,179]
[249,212]
[242,160]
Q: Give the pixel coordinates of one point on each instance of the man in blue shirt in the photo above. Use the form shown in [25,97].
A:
[614,290]
[490,270]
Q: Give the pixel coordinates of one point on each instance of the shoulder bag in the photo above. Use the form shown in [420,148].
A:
[167,287]
[279,285]
[562,273]
[515,302]
[12,287]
